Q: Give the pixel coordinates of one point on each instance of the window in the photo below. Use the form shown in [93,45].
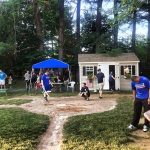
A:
[127,71]
[88,70]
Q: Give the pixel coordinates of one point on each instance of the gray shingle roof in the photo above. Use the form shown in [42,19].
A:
[104,58]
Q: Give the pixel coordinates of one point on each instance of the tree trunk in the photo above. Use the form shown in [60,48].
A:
[115,11]
[61,28]
[78,26]
[134,31]
[77,39]
[78,19]
[38,24]
[148,36]
[98,23]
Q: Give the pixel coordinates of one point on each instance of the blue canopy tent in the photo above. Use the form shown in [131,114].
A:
[50,63]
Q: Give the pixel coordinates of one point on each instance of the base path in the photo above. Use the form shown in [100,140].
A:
[59,109]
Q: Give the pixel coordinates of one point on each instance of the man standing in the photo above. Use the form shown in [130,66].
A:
[27,78]
[46,85]
[141,92]
[3,76]
[100,77]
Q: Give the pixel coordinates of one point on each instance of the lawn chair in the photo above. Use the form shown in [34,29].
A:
[3,91]
[71,86]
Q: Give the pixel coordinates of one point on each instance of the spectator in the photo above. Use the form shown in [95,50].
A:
[27,77]
[10,81]
[38,84]
[66,78]
[111,82]
[33,79]
[3,76]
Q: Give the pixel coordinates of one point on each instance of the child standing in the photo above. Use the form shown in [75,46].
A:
[10,81]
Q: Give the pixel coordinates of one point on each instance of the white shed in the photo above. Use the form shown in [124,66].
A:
[123,67]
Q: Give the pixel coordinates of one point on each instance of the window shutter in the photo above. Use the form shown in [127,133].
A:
[133,70]
[84,70]
[95,70]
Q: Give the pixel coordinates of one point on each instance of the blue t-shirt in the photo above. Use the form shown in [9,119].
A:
[46,80]
[141,88]
[100,77]
[2,76]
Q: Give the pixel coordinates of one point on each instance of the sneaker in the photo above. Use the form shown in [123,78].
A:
[131,127]
[87,99]
[45,98]
[145,128]
[147,115]
[100,97]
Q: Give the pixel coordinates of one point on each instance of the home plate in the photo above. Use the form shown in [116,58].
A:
[61,105]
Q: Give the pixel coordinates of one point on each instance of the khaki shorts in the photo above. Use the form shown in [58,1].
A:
[101,86]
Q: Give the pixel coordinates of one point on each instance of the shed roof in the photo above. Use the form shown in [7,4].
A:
[124,57]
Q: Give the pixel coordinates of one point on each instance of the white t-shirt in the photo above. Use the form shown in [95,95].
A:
[27,76]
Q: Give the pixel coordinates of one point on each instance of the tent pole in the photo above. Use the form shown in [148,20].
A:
[69,74]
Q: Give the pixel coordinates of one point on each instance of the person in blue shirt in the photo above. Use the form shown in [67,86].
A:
[46,85]
[3,76]
[141,95]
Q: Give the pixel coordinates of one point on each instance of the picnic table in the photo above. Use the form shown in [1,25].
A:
[57,86]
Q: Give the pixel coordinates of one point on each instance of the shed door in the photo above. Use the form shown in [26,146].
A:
[112,69]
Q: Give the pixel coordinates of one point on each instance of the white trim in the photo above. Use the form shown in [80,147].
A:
[109,62]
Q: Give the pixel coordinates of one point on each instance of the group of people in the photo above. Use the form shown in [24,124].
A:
[84,92]
[44,80]
[140,86]
[3,77]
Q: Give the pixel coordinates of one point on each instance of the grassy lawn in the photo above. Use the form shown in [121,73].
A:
[101,131]
[6,101]
[20,130]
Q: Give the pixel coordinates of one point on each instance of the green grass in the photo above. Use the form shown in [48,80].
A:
[20,130]
[101,131]
[6,101]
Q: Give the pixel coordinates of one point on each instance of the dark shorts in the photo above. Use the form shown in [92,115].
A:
[48,87]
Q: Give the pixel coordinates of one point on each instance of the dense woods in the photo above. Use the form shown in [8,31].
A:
[34,30]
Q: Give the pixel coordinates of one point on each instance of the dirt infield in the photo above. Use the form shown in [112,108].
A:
[59,109]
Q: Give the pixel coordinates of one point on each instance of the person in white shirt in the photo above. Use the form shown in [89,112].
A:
[27,77]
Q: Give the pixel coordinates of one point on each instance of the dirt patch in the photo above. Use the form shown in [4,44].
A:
[59,109]
[71,109]
[141,139]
